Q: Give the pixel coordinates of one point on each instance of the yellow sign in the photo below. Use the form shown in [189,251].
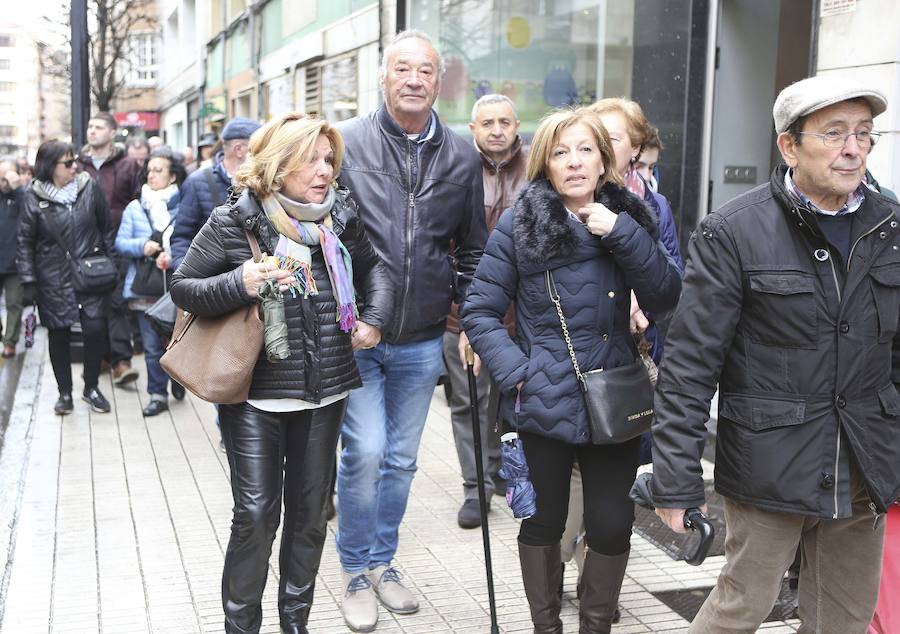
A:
[518,32]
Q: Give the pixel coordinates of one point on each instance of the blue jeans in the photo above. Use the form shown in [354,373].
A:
[157,379]
[380,438]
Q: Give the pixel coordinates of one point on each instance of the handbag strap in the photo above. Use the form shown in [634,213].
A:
[57,235]
[554,297]
[254,246]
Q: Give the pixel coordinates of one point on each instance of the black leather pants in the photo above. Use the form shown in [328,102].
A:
[270,452]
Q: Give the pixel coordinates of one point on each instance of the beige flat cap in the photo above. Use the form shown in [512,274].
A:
[808,95]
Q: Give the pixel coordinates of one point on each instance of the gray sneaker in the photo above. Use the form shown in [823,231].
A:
[393,594]
[359,605]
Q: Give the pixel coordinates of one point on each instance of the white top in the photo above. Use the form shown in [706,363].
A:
[280,405]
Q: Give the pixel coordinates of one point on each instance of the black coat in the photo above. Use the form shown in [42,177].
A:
[85,228]
[11,204]
[805,351]
[414,214]
[594,278]
[209,282]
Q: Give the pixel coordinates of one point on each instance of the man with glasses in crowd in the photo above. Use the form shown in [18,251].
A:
[791,303]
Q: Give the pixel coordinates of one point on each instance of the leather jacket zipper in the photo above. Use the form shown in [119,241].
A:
[410,212]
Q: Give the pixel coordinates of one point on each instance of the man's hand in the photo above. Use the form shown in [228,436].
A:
[463,342]
[639,322]
[674,518]
[365,336]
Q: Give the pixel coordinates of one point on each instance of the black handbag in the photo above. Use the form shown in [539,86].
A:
[149,280]
[162,316]
[619,401]
[95,274]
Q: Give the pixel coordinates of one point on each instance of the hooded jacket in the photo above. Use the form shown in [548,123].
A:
[414,200]
[119,179]
[84,228]
[594,277]
[209,282]
[805,352]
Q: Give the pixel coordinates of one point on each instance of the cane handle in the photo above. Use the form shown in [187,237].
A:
[470,355]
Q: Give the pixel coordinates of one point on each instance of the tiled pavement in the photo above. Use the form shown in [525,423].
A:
[122,525]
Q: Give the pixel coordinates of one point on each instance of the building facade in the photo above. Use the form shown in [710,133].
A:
[705,71]
[20,83]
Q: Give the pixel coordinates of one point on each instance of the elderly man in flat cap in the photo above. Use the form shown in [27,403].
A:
[791,302]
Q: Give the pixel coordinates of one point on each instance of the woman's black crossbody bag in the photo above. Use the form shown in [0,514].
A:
[619,401]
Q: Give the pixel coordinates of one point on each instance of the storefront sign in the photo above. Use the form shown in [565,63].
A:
[145,120]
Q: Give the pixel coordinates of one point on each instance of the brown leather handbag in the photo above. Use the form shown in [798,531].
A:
[214,357]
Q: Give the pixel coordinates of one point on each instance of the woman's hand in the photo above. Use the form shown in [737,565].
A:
[163,261]
[639,322]
[151,248]
[256,273]
[365,336]
[597,218]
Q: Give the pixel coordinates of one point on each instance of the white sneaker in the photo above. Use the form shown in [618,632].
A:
[393,595]
[359,605]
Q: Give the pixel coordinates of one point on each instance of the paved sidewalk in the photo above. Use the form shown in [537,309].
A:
[123,523]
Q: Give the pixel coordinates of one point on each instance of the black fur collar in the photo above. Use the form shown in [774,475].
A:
[541,229]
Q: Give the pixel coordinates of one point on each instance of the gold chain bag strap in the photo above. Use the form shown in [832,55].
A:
[214,357]
[619,401]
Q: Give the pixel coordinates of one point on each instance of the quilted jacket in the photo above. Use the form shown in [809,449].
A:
[594,277]
[321,364]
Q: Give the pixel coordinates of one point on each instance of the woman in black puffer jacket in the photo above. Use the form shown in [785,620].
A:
[288,429]
[61,204]
[599,242]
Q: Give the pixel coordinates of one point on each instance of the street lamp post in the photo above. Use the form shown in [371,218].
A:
[81,79]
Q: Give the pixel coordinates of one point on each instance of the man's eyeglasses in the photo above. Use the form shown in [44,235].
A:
[68,163]
[836,140]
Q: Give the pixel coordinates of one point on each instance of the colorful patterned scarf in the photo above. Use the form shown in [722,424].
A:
[304,225]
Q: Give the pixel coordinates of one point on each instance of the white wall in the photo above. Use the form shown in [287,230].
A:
[865,45]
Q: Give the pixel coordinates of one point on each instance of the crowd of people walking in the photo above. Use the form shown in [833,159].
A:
[383,246]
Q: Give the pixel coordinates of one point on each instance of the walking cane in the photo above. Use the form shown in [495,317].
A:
[482,498]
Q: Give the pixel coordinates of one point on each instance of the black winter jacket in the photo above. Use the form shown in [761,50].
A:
[412,215]
[209,282]
[805,351]
[11,204]
[197,202]
[594,277]
[85,228]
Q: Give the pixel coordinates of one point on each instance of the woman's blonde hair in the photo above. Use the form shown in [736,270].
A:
[639,128]
[547,136]
[282,146]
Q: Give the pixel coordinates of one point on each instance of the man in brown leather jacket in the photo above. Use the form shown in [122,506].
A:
[495,128]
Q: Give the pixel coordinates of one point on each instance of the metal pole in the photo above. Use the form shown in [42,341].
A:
[81,78]
[482,498]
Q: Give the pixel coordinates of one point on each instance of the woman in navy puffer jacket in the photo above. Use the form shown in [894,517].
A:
[600,242]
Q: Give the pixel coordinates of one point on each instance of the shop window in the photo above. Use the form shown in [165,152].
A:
[339,89]
[542,55]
